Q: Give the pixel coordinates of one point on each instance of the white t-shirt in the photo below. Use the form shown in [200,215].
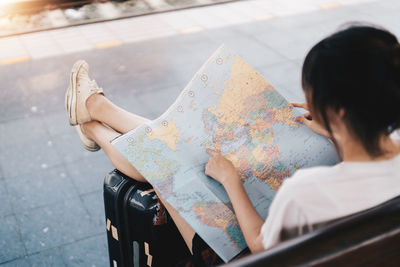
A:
[322,194]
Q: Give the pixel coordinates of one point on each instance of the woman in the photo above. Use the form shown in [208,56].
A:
[351,81]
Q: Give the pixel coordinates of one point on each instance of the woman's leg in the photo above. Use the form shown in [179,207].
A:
[184,228]
[103,110]
[102,136]
[122,121]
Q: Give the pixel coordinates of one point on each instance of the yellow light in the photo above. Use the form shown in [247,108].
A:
[13,60]
[5,2]
[265,17]
[191,30]
[331,6]
[108,44]
[5,7]
[10,6]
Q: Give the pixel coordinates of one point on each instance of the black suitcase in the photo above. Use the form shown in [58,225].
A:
[139,230]
[115,187]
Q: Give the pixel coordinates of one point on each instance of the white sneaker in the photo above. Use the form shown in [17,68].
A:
[86,142]
[80,88]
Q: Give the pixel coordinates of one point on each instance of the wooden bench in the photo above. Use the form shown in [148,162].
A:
[368,238]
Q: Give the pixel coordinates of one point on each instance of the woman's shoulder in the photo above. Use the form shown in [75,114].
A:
[304,182]
[312,174]
[338,179]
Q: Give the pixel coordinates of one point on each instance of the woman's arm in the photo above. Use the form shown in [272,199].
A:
[250,221]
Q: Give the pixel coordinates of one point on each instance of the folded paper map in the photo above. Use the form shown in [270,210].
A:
[228,107]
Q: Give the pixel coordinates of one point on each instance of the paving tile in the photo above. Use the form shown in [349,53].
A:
[352,2]
[140,28]
[47,102]
[286,78]
[11,47]
[15,100]
[182,50]
[94,203]
[169,52]
[29,155]
[56,123]
[185,74]
[254,53]
[285,8]
[70,148]
[153,71]
[131,102]
[229,14]
[88,252]
[96,33]
[40,45]
[378,13]
[204,18]
[70,40]
[255,28]
[10,242]
[14,109]
[5,202]
[40,188]
[161,82]
[55,102]
[38,90]
[216,37]
[159,101]
[313,18]
[252,9]
[100,66]
[55,225]
[293,36]
[297,42]
[129,55]
[172,61]
[158,78]
[282,73]
[50,78]
[11,91]
[48,258]
[178,20]
[20,262]
[88,174]
[292,92]
[393,4]
[15,131]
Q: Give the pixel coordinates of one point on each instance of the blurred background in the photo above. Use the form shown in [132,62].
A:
[22,16]
[143,53]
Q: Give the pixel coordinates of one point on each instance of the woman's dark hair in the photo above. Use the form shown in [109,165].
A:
[358,70]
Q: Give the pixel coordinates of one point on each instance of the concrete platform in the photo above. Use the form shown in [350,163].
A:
[51,205]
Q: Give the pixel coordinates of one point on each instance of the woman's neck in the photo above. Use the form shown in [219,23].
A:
[353,150]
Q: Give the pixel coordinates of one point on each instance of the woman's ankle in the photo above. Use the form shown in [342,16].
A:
[88,128]
[93,105]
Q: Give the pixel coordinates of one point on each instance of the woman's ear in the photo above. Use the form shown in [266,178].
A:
[341,113]
[336,117]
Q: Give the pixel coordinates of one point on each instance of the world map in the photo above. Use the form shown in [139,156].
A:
[231,108]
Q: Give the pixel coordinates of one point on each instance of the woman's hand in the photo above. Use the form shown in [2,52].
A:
[220,168]
[309,122]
